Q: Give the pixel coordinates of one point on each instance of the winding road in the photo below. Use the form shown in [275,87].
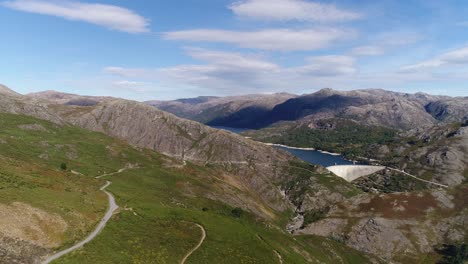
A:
[419,179]
[197,246]
[112,207]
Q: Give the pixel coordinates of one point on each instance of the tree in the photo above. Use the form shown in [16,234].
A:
[63,166]
[237,212]
[454,254]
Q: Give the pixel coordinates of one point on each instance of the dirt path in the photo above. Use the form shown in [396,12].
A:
[419,179]
[280,258]
[197,246]
[112,208]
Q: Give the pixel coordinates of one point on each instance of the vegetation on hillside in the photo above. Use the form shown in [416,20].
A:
[160,202]
[335,135]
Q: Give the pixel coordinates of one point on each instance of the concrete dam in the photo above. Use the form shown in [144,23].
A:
[353,172]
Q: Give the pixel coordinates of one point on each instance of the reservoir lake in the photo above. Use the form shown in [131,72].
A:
[310,156]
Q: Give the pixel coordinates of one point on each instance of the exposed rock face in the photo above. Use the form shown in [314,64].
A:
[233,111]
[255,165]
[396,225]
[7,91]
[147,127]
[19,251]
[144,126]
[26,233]
[384,225]
[370,107]
[449,110]
[11,102]
[439,153]
[69,99]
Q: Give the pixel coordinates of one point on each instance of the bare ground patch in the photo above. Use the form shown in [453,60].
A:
[24,222]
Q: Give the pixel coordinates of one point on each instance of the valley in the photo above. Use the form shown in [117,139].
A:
[254,202]
[233,132]
[160,194]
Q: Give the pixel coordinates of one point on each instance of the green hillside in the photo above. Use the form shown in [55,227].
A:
[160,202]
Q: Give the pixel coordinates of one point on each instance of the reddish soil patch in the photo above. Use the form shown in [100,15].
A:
[400,205]
[461,198]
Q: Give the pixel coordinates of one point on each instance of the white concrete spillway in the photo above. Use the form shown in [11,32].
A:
[353,172]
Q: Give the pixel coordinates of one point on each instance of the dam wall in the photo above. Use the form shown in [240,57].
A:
[353,172]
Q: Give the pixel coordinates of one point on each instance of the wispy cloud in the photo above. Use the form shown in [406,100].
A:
[286,10]
[140,87]
[270,39]
[385,42]
[109,16]
[330,65]
[455,57]
[368,50]
[225,71]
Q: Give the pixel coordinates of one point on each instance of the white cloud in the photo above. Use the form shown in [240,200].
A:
[140,87]
[455,57]
[286,10]
[109,16]
[130,73]
[270,39]
[368,50]
[232,60]
[331,65]
[243,73]
[385,42]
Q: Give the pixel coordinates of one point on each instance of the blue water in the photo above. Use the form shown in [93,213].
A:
[317,157]
[311,156]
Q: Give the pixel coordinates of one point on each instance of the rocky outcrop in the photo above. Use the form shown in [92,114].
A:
[233,111]
[255,165]
[14,103]
[68,99]
[370,107]
[395,225]
[439,153]
[449,110]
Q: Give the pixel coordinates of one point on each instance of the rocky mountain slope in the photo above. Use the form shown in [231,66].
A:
[439,153]
[400,227]
[46,206]
[449,109]
[220,171]
[69,99]
[370,107]
[12,102]
[271,183]
[237,111]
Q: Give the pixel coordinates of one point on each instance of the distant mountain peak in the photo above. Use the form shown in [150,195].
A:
[326,92]
[7,91]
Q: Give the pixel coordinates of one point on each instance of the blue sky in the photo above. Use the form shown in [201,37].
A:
[146,50]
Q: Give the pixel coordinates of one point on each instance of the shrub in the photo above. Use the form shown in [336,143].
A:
[63,166]
[454,254]
[314,216]
[237,212]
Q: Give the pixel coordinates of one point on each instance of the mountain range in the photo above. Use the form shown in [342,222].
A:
[371,107]
[246,194]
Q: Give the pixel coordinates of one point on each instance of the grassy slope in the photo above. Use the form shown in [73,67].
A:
[158,205]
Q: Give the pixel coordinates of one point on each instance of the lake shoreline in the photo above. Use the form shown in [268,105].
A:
[307,149]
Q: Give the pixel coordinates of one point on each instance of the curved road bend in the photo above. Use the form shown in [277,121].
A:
[197,246]
[112,207]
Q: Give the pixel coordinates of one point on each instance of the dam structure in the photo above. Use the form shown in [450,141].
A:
[353,172]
